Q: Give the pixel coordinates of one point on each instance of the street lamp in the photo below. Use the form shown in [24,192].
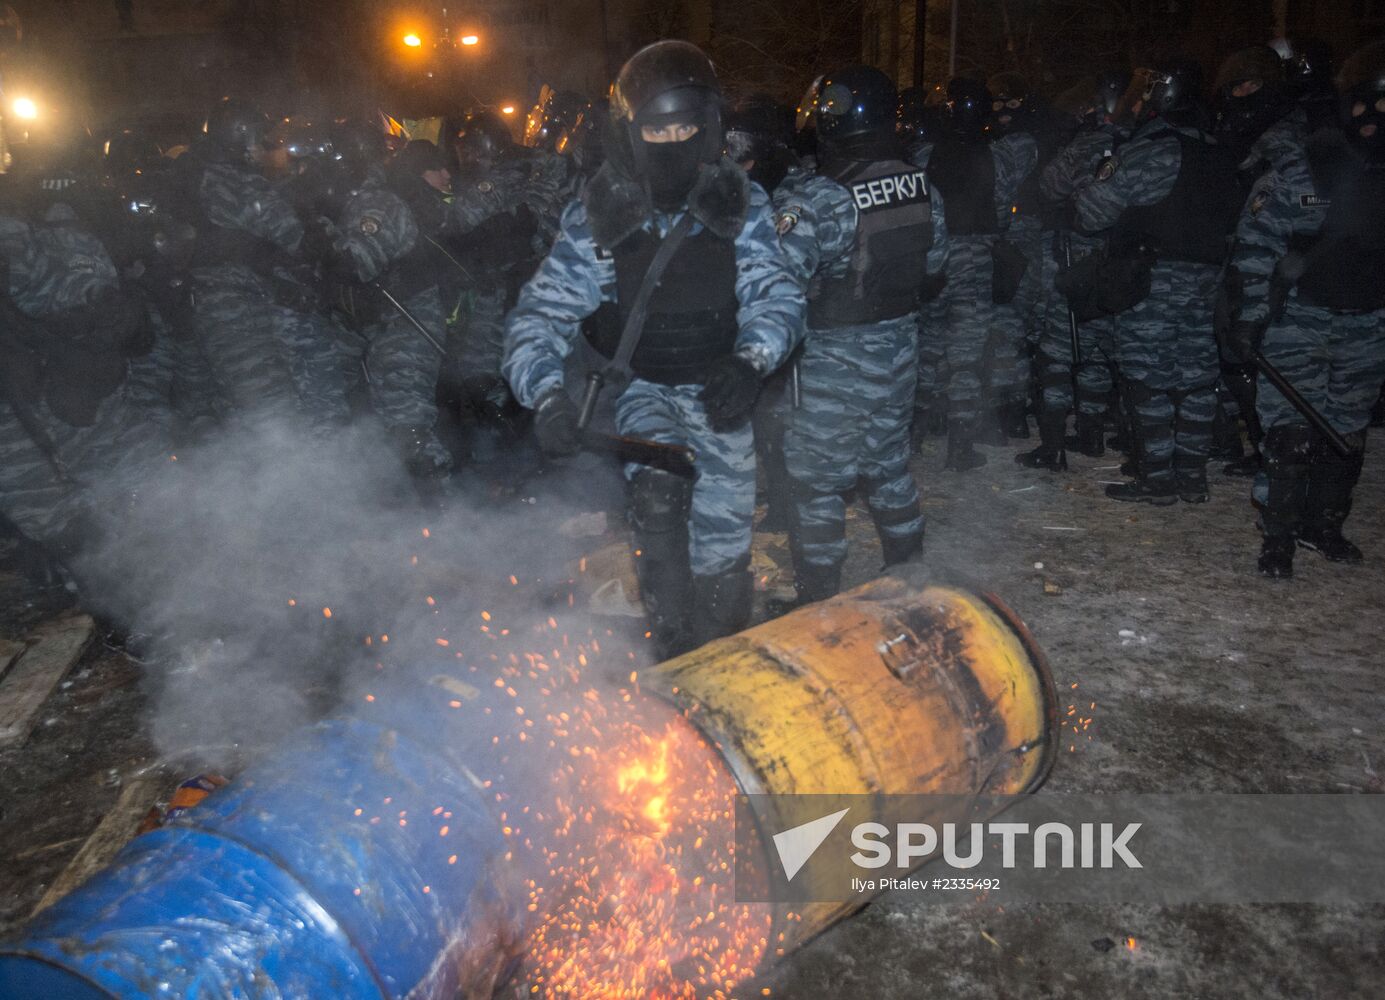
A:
[508,109]
[412,40]
[470,39]
[25,108]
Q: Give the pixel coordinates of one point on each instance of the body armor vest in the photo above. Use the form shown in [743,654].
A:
[691,322]
[1345,260]
[1193,222]
[964,172]
[889,259]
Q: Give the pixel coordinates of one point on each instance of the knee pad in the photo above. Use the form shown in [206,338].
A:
[659,501]
[1288,449]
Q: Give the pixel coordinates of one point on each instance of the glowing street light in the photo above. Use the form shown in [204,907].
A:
[412,40]
[508,109]
[25,108]
[470,39]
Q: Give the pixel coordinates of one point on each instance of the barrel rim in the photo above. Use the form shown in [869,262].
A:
[40,959]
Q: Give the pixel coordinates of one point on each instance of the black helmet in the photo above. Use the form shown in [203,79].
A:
[665,83]
[968,106]
[1308,65]
[130,151]
[756,127]
[1012,103]
[1171,85]
[357,146]
[1362,86]
[302,139]
[556,114]
[855,102]
[1241,117]
[481,139]
[235,130]
[761,129]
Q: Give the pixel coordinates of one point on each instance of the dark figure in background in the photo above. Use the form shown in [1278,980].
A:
[1310,247]
[263,363]
[1168,197]
[725,315]
[978,176]
[1015,108]
[381,242]
[1260,124]
[1062,179]
[1308,70]
[864,235]
[758,137]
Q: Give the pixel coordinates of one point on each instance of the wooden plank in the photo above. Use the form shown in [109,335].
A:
[116,830]
[9,652]
[53,649]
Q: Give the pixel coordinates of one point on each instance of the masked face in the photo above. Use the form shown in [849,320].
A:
[673,156]
[1248,108]
[1365,124]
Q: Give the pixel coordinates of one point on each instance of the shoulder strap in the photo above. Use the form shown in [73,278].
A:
[639,309]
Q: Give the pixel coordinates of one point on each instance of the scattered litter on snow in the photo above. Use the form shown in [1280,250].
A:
[1022,489]
[1054,527]
[1038,565]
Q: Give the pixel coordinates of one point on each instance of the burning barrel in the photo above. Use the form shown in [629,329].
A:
[369,858]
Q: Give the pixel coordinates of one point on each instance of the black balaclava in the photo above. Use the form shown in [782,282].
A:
[672,169]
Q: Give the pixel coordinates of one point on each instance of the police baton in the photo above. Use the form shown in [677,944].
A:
[413,320]
[1286,388]
[1072,316]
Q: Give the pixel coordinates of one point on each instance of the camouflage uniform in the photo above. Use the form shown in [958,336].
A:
[246,338]
[52,472]
[1164,345]
[981,337]
[1069,172]
[572,282]
[1335,359]
[377,230]
[858,385]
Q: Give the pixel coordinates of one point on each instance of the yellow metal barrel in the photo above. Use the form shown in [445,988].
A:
[898,687]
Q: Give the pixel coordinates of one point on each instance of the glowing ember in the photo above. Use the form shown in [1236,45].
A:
[631,843]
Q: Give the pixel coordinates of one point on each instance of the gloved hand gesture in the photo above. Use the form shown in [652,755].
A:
[555,424]
[732,387]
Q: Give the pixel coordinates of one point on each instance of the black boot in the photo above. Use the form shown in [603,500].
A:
[721,603]
[990,429]
[816,582]
[1050,454]
[1331,480]
[1014,420]
[1190,473]
[1288,453]
[1226,434]
[659,504]
[1155,484]
[1378,410]
[898,543]
[961,456]
[1089,436]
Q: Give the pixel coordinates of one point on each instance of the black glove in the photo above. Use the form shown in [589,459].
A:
[1243,339]
[732,387]
[555,424]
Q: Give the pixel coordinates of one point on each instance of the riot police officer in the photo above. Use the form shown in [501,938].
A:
[978,176]
[863,234]
[1310,252]
[1168,197]
[724,314]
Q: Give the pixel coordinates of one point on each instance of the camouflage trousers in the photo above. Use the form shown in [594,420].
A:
[316,362]
[402,368]
[723,495]
[1031,300]
[1336,361]
[858,388]
[1053,356]
[236,325]
[92,471]
[979,341]
[1168,358]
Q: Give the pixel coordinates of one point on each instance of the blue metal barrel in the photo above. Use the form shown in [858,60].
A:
[356,863]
